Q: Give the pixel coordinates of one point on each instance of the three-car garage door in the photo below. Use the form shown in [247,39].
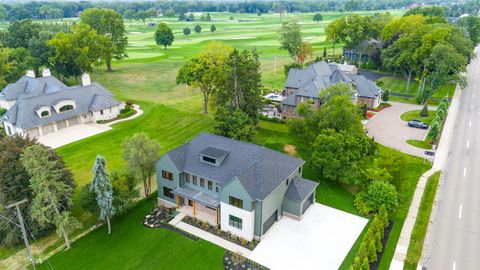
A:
[270,221]
[73,121]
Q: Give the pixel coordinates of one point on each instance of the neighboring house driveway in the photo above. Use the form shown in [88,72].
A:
[372,75]
[388,129]
[321,240]
[81,131]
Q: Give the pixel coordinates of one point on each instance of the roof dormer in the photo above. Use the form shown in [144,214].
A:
[44,111]
[213,156]
[65,105]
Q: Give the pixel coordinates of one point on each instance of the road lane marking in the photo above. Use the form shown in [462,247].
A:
[471,107]
[473,95]
[460,212]
[454,265]
[464,172]
[468,144]
[470,123]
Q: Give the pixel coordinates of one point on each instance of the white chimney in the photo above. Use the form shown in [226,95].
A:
[46,73]
[30,74]
[86,80]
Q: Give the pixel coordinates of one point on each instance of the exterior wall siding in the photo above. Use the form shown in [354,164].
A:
[292,207]
[107,114]
[247,217]
[236,189]
[165,163]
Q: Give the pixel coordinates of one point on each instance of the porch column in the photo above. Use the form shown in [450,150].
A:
[194,208]
[178,202]
[216,212]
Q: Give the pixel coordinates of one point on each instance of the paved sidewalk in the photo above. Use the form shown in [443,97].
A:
[439,164]
[212,238]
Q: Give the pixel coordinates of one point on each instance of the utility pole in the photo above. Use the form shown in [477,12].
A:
[275,66]
[22,226]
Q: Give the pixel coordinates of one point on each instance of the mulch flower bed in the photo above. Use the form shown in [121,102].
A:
[381,107]
[159,218]
[369,115]
[234,261]
[386,234]
[217,231]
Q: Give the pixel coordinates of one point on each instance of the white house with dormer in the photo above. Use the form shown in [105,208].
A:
[37,106]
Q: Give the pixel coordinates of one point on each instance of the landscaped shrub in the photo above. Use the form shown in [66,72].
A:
[2,111]
[386,95]
[434,131]
[377,194]
[129,103]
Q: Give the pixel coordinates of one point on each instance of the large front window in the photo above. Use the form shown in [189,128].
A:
[236,202]
[167,192]
[235,222]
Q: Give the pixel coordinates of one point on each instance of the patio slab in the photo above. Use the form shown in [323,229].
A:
[321,240]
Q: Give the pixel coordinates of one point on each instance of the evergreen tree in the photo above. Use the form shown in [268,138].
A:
[383,214]
[372,251]
[386,95]
[186,31]
[182,17]
[434,131]
[424,111]
[197,29]
[324,52]
[48,190]
[365,264]
[213,28]
[378,241]
[103,190]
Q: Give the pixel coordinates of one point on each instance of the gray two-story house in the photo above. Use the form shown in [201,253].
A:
[241,187]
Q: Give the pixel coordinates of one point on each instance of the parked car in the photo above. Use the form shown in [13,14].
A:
[417,124]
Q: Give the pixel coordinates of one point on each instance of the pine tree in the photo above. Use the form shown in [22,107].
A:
[49,191]
[424,111]
[378,241]
[103,190]
[324,52]
[365,264]
[382,212]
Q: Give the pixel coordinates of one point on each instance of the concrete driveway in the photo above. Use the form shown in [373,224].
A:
[72,134]
[388,129]
[321,240]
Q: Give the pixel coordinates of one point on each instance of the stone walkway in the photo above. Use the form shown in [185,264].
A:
[439,164]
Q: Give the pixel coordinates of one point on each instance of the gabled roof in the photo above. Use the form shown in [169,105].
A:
[365,87]
[259,169]
[47,92]
[300,188]
[32,87]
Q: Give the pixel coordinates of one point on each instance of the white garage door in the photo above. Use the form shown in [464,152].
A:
[73,121]
[32,133]
[61,124]
[47,129]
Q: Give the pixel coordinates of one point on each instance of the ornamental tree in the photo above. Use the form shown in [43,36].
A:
[140,153]
[102,188]
[377,194]
[164,35]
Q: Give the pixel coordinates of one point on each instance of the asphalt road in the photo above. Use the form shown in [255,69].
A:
[454,238]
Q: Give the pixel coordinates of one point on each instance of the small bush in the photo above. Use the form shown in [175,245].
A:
[129,103]
[386,95]
[377,194]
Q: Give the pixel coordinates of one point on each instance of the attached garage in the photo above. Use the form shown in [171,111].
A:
[47,129]
[61,124]
[73,121]
[33,133]
[299,197]
[270,221]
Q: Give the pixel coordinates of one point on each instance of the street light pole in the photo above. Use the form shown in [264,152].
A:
[24,232]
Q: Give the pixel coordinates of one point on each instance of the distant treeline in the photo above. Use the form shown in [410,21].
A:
[58,9]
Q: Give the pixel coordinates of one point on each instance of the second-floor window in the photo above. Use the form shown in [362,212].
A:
[210,185]
[187,178]
[202,182]
[236,202]
[194,180]
[167,175]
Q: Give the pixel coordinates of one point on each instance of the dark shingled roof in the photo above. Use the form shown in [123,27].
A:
[214,152]
[259,169]
[48,91]
[365,87]
[300,188]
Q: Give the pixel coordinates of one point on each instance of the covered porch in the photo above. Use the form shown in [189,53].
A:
[197,204]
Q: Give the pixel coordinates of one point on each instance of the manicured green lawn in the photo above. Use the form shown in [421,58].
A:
[415,115]
[132,246]
[421,224]
[398,85]
[420,144]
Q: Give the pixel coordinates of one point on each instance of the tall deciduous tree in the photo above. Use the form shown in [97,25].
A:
[206,70]
[304,52]
[20,33]
[140,152]
[13,64]
[49,191]
[290,38]
[317,17]
[164,35]
[333,33]
[241,85]
[108,23]
[78,51]
[103,190]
